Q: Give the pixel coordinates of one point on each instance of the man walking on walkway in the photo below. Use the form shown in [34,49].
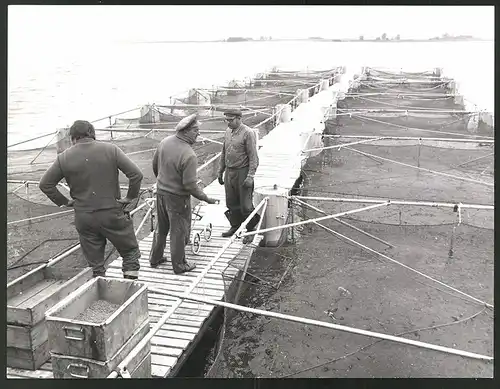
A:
[238,164]
[174,166]
[91,172]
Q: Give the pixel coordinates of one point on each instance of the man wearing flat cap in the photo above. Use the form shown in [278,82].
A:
[238,164]
[174,166]
[91,172]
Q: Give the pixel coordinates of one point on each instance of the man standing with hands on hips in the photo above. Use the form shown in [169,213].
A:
[91,169]
[238,164]
[174,166]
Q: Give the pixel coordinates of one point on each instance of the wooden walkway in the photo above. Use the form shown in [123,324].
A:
[280,163]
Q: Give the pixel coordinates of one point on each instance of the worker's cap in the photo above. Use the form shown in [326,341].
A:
[232,112]
[187,123]
[81,129]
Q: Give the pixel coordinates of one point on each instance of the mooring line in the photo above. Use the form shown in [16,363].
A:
[424,169]
[318,323]
[380,340]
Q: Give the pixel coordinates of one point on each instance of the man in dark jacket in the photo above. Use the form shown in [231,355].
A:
[91,172]
[174,165]
[239,161]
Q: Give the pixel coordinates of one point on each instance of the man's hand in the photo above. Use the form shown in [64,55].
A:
[221,178]
[248,183]
[212,201]
[125,202]
[69,205]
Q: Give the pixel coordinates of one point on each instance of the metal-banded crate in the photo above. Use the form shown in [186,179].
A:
[79,326]
[28,298]
[65,366]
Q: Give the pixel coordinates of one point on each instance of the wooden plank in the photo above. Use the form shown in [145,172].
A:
[199,261]
[171,342]
[186,301]
[192,320]
[192,315]
[19,373]
[189,312]
[27,338]
[158,349]
[176,334]
[163,273]
[28,359]
[163,360]
[158,301]
[158,371]
[166,279]
[25,282]
[41,294]
[16,301]
[176,321]
[34,302]
[172,327]
[68,286]
[202,258]
[200,291]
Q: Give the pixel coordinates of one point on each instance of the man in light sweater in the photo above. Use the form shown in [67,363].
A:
[174,166]
[91,172]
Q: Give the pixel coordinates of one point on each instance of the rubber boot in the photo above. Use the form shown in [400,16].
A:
[253,222]
[235,221]
[251,227]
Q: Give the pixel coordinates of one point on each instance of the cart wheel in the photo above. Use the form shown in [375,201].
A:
[208,232]
[196,245]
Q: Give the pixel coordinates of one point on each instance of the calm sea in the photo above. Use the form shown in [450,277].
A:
[51,86]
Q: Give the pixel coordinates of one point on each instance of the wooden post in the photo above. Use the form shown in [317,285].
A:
[459,100]
[473,123]
[285,112]
[486,118]
[275,215]
[63,140]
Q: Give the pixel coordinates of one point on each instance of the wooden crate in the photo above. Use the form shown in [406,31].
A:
[65,366]
[97,341]
[27,300]
[28,359]
[27,337]
[30,296]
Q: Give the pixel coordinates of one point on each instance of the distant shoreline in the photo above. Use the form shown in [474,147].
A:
[329,41]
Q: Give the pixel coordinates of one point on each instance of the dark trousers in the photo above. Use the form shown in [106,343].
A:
[111,224]
[174,216]
[239,200]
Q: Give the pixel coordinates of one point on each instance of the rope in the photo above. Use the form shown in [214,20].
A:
[39,245]
[393,88]
[424,169]
[39,217]
[398,106]
[410,84]
[414,128]
[29,140]
[381,340]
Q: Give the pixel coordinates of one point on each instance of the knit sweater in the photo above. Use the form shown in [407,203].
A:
[174,165]
[91,169]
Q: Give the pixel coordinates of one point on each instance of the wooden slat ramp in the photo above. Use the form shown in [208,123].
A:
[176,338]
[280,163]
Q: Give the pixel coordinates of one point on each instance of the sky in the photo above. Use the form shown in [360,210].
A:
[157,23]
